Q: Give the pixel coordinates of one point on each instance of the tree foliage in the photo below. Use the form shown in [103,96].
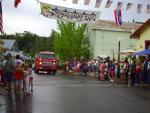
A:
[30,43]
[70,41]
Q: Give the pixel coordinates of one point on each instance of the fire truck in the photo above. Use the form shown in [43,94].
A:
[46,61]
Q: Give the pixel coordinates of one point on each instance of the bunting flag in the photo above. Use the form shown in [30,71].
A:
[119,5]
[129,5]
[68,14]
[16,3]
[98,3]
[118,17]
[86,2]
[148,9]
[139,8]
[1,18]
[108,3]
[115,14]
[75,1]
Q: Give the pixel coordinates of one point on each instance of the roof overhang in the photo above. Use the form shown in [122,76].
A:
[137,33]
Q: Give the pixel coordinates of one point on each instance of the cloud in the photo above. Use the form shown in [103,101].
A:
[27,16]
[35,24]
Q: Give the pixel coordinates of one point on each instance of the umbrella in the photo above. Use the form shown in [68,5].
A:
[102,56]
[145,52]
[128,51]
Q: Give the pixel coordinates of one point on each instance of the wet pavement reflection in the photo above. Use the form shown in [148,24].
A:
[15,103]
[58,94]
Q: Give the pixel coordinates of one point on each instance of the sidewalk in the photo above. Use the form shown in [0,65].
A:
[77,74]
[93,76]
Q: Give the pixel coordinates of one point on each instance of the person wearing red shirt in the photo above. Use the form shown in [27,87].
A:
[137,73]
[18,75]
[103,69]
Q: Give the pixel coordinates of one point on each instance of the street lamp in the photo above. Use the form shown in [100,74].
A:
[119,49]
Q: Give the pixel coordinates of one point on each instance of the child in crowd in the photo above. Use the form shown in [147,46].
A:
[26,80]
[30,78]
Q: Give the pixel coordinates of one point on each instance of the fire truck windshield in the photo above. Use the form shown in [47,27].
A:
[46,56]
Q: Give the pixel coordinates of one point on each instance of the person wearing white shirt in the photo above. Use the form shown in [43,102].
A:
[18,59]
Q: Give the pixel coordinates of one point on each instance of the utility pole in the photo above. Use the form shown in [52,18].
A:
[119,50]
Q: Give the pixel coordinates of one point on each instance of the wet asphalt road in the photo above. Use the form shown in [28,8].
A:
[59,94]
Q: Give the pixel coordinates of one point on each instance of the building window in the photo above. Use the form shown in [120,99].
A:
[147,44]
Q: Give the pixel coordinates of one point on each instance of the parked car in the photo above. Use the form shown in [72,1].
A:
[46,61]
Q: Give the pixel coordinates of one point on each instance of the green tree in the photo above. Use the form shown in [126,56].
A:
[70,41]
[51,40]
[30,43]
[27,42]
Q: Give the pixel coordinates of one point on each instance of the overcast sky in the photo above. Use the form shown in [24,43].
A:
[27,16]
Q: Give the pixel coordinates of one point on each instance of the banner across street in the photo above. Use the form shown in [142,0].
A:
[68,14]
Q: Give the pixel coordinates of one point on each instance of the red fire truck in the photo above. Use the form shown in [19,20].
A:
[46,61]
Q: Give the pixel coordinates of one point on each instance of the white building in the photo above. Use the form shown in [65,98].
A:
[104,37]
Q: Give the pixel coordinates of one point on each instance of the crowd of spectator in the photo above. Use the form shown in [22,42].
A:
[136,70]
[16,74]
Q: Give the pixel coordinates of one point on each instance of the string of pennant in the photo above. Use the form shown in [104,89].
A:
[118,7]
[108,5]
[117,10]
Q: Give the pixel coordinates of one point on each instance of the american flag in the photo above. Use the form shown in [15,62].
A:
[108,3]
[129,5]
[148,9]
[119,5]
[139,8]
[75,1]
[98,3]
[118,17]
[1,19]
[86,2]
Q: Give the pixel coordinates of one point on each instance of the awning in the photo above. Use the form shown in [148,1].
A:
[145,52]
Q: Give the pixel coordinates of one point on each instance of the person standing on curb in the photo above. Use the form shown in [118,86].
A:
[145,66]
[103,70]
[137,73]
[148,71]
[18,75]
[9,71]
[126,71]
[133,70]
[2,77]
[16,61]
